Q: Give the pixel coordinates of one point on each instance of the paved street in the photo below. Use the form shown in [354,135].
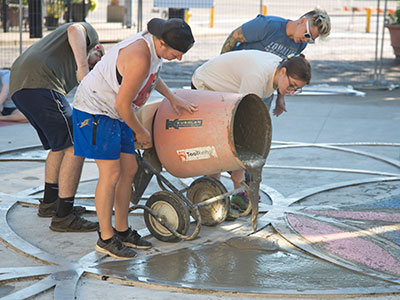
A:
[329,219]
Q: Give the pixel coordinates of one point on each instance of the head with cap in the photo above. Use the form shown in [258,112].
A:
[95,55]
[175,33]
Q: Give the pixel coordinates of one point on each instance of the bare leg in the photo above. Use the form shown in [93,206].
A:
[70,173]
[237,178]
[15,116]
[53,163]
[109,172]
[123,190]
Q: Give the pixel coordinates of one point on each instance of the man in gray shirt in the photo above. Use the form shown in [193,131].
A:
[40,79]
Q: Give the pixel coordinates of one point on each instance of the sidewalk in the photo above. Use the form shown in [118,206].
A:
[329,218]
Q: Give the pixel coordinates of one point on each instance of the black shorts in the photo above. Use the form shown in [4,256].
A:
[49,113]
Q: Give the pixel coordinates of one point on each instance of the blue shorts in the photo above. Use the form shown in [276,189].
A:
[49,113]
[101,137]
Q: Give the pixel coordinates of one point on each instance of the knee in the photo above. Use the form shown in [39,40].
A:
[113,177]
[109,176]
[129,170]
[69,150]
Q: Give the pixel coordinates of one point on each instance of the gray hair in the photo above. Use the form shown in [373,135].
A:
[320,19]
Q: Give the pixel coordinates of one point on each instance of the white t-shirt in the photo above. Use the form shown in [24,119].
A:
[243,72]
[97,92]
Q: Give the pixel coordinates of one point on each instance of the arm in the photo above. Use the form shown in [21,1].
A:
[235,37]
[176,101]
[77,41]
[280,105]
[133,63]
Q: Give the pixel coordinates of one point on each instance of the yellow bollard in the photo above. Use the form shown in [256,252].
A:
[369,13]
[212,17]
[188,15]
[264,10]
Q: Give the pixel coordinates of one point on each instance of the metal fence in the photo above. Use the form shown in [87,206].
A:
[357,50]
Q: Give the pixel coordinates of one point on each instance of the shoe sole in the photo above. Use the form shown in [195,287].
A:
[136,246]
[45,215]
[105,251]
[239,208]
[71,230]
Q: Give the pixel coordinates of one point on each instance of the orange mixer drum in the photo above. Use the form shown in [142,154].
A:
[226,127]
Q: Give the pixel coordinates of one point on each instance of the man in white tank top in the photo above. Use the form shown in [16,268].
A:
[105,122]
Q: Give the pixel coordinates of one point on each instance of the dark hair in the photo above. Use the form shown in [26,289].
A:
[297,67]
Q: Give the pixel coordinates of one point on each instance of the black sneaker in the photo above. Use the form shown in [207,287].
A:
[48,210]
[72,223]
[115,248]
[134,240]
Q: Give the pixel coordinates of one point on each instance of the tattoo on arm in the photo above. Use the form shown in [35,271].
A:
[235,37]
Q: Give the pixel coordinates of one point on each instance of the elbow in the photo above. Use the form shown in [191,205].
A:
[71,29]
[74,29]
[122,108]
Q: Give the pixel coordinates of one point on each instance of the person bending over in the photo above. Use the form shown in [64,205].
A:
[106,125]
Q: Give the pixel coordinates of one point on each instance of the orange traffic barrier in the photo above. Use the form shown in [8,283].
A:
[358,9]
[264,10]
[369,13]
[212,17]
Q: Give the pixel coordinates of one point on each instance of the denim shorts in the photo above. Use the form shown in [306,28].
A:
[101,137]
[49,113]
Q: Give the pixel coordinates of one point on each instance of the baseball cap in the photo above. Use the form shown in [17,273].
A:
[175,32]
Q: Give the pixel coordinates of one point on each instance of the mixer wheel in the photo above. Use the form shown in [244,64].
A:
[203,189]
[171,210]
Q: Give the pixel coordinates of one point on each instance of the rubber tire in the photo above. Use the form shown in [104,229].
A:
[203,189]
[172,210]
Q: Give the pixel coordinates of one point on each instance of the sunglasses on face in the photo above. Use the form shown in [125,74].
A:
[308,35]
[292,87]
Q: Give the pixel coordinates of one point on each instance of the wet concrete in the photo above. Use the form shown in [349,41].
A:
[247,264]
[252,136]
[254,164]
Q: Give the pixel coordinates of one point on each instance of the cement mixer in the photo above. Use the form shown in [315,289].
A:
[228,132]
